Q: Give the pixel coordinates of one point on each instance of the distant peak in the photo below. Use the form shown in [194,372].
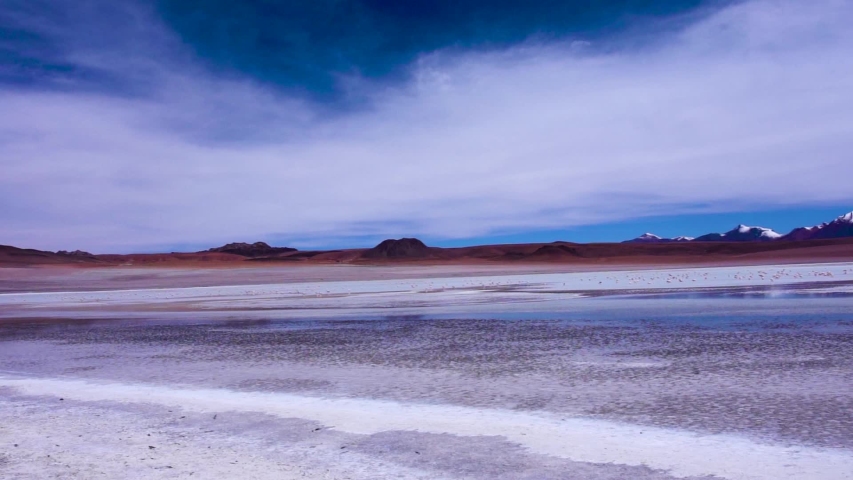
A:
[75,253]
[846,218]
[758,231]
[402,241]
[398,248]
[649,238]
[244,245]
[257,249]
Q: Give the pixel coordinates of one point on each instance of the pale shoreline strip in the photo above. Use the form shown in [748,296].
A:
[681,453]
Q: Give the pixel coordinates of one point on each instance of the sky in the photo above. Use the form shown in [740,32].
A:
[134,126]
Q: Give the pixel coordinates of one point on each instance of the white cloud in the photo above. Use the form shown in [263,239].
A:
[747,108]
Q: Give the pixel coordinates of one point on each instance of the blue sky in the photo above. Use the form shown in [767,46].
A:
[178,124]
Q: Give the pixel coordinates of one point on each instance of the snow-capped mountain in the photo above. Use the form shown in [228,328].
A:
[652,238]
[838,228]
[645,238]
[741,233]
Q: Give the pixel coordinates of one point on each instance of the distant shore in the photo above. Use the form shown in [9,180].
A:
[532,257]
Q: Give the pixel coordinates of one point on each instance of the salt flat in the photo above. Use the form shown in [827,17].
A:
[581,440]
[726,372]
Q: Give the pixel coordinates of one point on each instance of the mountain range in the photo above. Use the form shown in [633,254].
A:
[841,227]
[831,241]
[838,228]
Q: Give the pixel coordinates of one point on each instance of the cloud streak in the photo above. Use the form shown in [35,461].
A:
[746,107]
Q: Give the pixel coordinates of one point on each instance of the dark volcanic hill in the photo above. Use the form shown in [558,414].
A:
[28,256]
[556,249]
[252,250]
[402,248]
[75,253]
[838,228]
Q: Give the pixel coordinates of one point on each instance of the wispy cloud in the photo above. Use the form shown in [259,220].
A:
[747,107]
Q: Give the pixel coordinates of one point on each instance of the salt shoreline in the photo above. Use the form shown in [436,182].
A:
[681,454]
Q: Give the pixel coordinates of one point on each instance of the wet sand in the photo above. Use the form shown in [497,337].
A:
[746,376]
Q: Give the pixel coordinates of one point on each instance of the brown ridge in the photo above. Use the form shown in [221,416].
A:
[412,251]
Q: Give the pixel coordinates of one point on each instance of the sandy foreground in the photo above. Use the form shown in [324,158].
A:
[724,372]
